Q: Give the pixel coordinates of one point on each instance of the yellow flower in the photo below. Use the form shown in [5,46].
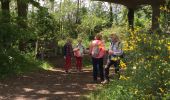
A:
[161,90]
[122,64]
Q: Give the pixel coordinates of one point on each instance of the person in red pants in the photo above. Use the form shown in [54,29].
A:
[68,52]
[78,53]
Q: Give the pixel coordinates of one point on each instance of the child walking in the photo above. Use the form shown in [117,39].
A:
[78,53]
[68,52]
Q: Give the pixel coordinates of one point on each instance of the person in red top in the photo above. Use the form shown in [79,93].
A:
[97,52]
[68,53]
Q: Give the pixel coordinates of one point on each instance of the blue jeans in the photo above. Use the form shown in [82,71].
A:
[97,64]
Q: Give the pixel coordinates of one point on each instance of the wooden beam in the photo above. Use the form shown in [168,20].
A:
[132,3]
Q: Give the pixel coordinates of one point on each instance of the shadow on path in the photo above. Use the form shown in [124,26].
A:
[48,85]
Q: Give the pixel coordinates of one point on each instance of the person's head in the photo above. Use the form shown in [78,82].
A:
[98,36]
[79,40]
[69,40]
[114,37]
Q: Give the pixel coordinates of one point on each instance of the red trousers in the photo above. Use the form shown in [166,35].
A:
[67,63]
[79,63]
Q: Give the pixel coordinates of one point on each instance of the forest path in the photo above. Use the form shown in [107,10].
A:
[52,84]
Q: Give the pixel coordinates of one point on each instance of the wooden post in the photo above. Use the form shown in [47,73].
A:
[131,18]
[155,17]
[5,11]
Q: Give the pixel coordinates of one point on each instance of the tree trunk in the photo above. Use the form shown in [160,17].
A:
[52,5]
[155,17]
[22,13]
[131,18]
[5,11]
[36,48]
[61,20]
[22,20]
[111,13]
[77,16]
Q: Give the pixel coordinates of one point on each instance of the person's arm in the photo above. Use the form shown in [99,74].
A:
[75,48]
[71,48]
[110,51]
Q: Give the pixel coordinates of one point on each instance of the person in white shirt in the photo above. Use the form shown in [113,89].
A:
[115,52]
[79,53]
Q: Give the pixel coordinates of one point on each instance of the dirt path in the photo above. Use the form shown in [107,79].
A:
[48,85]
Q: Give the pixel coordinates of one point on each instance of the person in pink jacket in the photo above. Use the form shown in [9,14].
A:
[97,52]
[79,53]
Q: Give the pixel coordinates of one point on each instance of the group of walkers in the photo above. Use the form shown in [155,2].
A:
[98,52]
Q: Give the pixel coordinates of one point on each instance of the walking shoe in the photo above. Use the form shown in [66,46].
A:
[105,82]
[66,71]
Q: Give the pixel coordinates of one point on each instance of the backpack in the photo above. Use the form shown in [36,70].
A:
[95,50]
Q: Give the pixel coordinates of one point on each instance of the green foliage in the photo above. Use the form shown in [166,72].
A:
[143,17]
[45,25]
[148,70]
[13,62]
[88,26]
[147,55]
[150,65]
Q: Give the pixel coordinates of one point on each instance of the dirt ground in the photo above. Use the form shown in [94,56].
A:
[53,84]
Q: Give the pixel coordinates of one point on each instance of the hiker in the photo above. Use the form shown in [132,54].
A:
[115,52]
[68,52]
[97,52]
[79,53]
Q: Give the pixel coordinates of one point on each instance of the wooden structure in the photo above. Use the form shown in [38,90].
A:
[132,5]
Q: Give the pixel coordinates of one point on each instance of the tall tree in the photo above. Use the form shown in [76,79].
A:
[52,5]
[131,18]
[78,9]
[111,13]
[22,20]
[5,11]
[22,13]
[155,17]
[116,13]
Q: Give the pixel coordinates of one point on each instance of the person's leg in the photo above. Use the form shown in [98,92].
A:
[77,63]
[66,64]
[94,61]
[80,64]
[69,63]
[116,65]
[100,63]
[107,67]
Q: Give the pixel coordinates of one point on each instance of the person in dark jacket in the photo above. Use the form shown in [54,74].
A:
[68,53]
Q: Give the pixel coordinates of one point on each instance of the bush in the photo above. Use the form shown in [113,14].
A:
[148,69]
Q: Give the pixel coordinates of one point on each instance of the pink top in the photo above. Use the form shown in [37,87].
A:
[101,48]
